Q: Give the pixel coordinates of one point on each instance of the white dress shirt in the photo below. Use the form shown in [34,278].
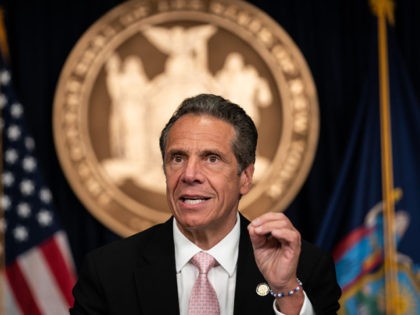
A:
[222,277]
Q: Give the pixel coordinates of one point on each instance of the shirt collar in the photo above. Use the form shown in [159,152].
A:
[225,252]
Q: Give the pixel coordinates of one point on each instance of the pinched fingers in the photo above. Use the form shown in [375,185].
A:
[276,244]
[277,225]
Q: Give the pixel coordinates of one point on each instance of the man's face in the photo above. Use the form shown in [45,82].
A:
[203,185]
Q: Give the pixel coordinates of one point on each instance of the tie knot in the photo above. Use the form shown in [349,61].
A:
[204,262]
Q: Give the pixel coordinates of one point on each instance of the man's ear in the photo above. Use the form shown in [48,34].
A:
[246,179]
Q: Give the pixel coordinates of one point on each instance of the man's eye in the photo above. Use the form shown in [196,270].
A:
[177,158]
[213,158]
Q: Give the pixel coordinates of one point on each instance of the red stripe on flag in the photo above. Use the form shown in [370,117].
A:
[21,290]
[350,240]
[60,269]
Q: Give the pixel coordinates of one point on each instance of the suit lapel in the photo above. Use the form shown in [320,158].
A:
[248,276]
[156,275]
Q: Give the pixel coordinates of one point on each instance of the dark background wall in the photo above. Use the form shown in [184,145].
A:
[334,36]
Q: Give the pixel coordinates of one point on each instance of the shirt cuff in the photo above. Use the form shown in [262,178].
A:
[307,308]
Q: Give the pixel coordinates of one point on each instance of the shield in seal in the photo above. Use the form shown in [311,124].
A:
[133,67]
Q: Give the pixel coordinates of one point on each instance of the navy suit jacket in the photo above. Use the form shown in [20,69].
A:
[137,276]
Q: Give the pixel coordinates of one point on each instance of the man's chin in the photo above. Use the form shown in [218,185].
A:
[192,222]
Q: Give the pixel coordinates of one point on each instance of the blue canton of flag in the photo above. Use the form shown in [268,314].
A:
[39,272]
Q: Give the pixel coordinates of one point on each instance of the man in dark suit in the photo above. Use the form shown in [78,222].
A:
[261,267]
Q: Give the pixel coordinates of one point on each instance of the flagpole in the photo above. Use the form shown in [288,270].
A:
[384,10]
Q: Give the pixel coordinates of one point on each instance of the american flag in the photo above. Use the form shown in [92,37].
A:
[38,274]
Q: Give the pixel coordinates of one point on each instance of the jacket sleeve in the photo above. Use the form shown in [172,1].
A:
[88,295]
[316,270]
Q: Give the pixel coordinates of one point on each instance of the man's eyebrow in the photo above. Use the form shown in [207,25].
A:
[211,151]
[217,152]
[176,152]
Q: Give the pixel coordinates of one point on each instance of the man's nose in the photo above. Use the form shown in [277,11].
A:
[192,171]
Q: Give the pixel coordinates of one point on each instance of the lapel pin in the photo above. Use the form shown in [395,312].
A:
[262,289]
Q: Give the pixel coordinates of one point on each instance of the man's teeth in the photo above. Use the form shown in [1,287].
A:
[193,201]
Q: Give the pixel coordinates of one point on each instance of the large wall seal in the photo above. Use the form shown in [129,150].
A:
[134,66]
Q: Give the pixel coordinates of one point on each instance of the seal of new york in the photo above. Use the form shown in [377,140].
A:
[134,66]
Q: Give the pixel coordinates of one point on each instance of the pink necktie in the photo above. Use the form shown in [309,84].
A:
[203,300]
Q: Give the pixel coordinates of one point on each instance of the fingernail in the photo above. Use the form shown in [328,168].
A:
[256,222]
